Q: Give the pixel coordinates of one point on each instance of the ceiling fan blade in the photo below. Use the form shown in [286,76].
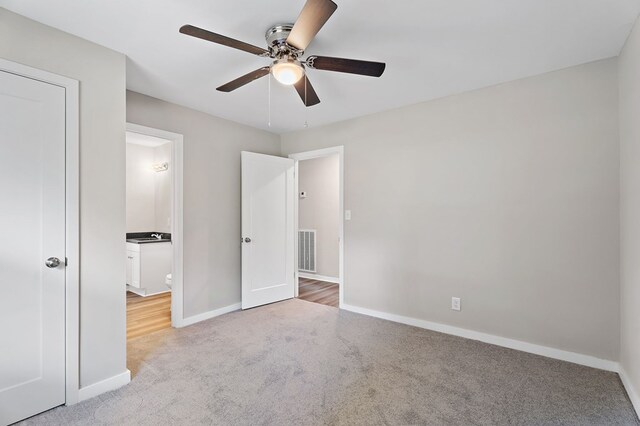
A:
[352,66]
[314,15]
[245,79]
[306,92]
[220,39]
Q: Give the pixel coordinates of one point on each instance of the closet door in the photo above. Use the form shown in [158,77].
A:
[32,253]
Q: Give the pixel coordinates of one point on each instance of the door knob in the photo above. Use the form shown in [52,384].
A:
[247,240]
[52,262]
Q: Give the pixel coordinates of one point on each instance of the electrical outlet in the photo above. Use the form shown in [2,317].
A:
[455,303]
[347,215]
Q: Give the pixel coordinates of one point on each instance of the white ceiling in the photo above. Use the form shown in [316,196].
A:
[433,48]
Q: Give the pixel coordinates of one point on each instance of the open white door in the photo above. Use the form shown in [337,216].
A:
[32,253]
[268,231]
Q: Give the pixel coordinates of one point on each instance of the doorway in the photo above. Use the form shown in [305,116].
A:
[319,225]
[154,230]
[149,251]
[274,246]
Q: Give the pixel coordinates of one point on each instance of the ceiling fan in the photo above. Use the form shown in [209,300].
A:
[286,44]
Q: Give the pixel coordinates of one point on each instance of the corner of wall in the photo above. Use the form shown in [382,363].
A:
[629,137]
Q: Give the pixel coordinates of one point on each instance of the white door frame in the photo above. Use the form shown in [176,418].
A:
[72,220]
[177,231]
[308,155]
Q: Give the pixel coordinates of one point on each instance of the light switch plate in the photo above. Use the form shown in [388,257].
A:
[455,303]
[347,215]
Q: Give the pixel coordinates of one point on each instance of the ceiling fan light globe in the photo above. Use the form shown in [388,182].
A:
[287,71]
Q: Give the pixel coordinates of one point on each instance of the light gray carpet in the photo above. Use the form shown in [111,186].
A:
[300,363]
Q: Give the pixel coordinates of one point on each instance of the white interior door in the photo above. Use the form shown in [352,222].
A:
[267,229]
[32,226]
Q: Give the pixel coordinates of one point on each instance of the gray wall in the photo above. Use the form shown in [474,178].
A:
[148,192]
[141,188]
[163,193]
[101,73]
[506,197]
[211,195]
[630,207]
[320,179]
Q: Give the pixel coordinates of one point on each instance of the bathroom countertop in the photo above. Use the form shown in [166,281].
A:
[137,241]
[145,237]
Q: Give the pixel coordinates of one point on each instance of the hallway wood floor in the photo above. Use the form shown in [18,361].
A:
[318,292]
[147,314]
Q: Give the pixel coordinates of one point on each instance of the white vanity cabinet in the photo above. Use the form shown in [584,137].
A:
[133,266]
[147,267]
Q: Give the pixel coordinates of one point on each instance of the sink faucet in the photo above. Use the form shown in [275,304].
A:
[158,236]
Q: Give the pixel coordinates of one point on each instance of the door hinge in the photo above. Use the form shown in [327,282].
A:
[66,261]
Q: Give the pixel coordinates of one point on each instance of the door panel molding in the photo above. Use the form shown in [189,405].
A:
[72,220]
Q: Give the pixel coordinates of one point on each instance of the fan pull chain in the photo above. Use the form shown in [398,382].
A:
[306,109]
[269,123]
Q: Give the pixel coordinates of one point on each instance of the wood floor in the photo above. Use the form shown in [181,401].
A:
[147,314]
[318,292]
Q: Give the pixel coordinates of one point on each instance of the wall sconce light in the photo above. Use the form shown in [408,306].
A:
[161,167]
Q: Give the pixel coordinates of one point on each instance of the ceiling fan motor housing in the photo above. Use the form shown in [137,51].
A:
[276,37]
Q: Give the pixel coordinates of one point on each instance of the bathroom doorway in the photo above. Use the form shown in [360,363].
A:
[154,225]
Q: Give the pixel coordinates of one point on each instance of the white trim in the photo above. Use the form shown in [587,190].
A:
[308,155]
[143,293]
[634,396]
[72,213]
[209,314]
[105,385]
[73,245]
[177,225]
[325,278]
[296,206]
[588,360]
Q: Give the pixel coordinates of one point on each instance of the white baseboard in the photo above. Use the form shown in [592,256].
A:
[208,315]
[157,292]
[319,277]
[634,396]
[135,290]
[587,360]
[143,292]
[103,386]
